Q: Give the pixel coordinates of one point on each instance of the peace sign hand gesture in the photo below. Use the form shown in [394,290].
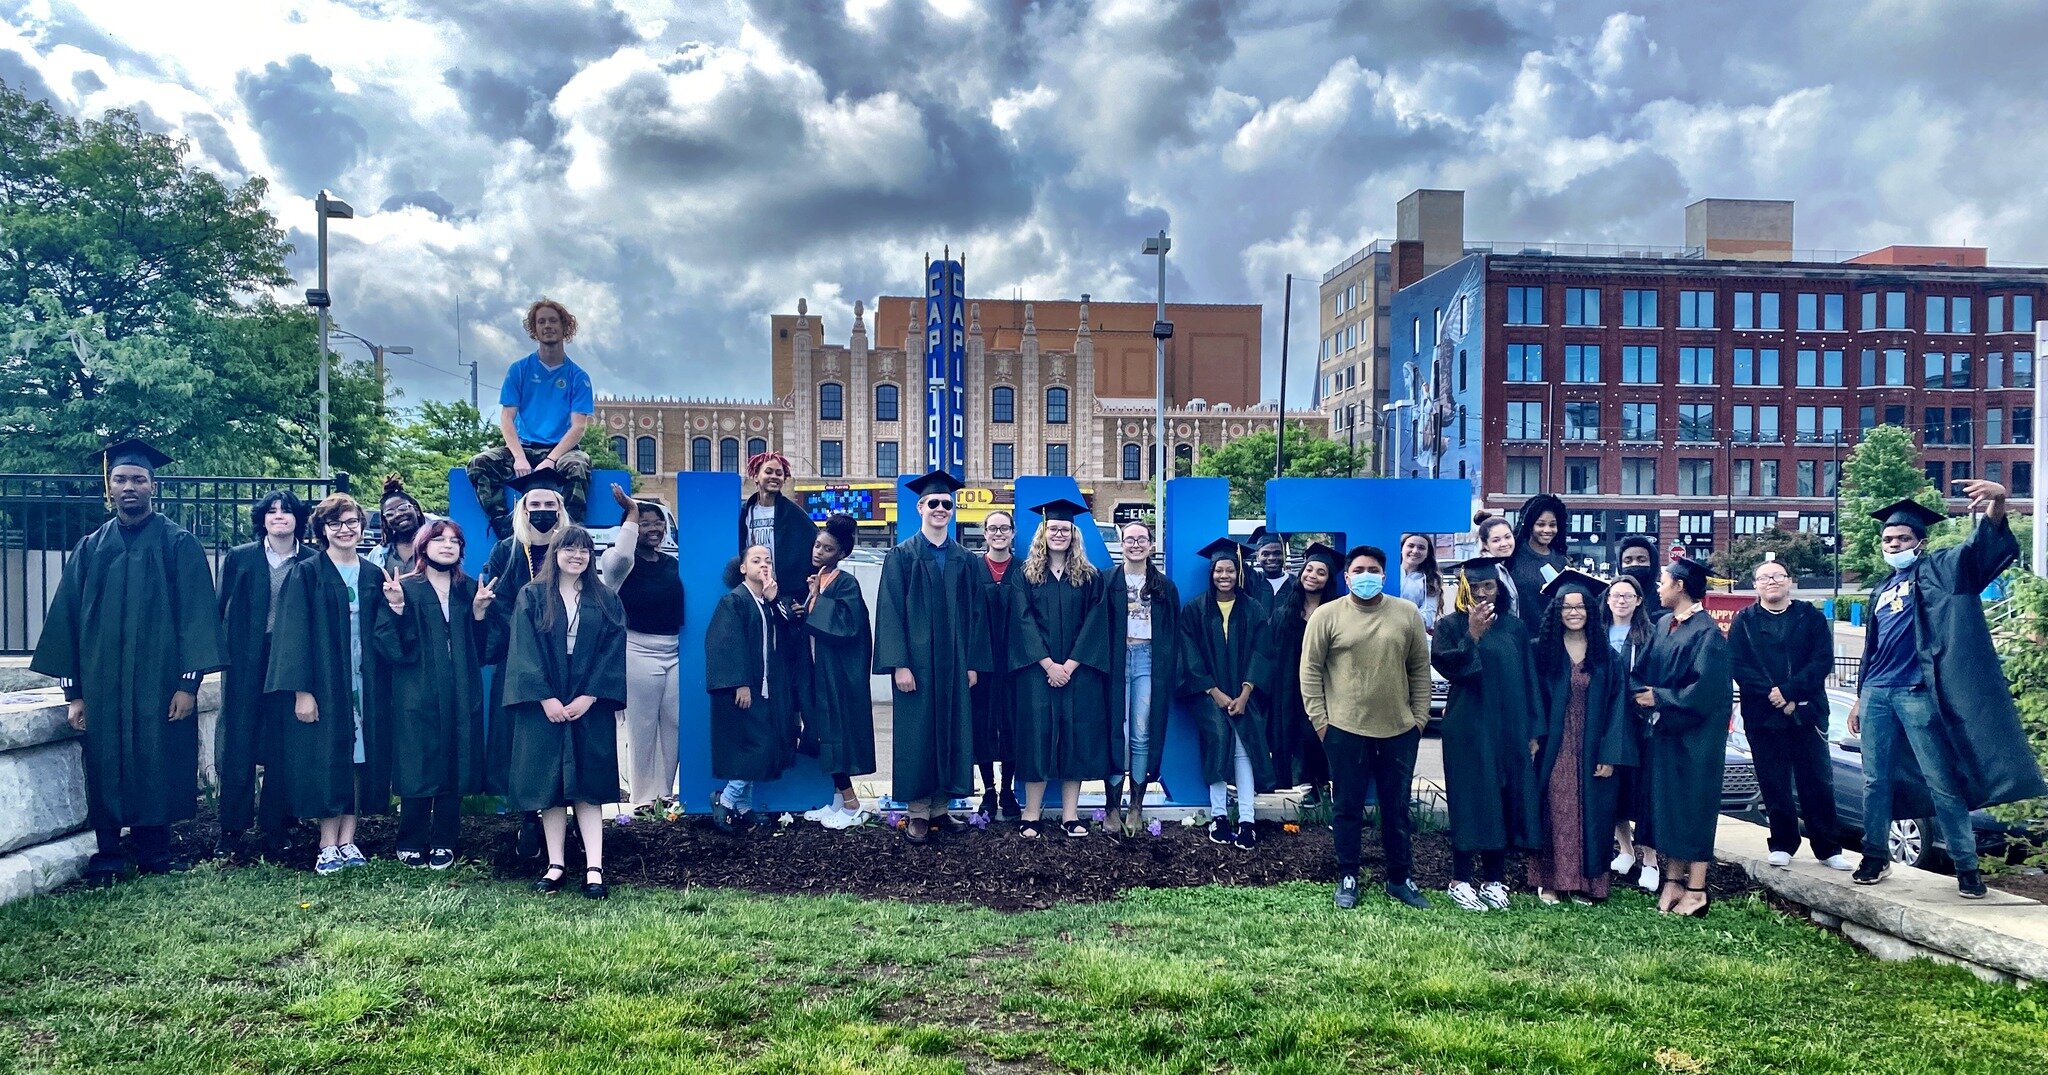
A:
[394,591]
[480,605]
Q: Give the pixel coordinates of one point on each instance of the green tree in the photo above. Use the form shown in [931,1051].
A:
[1801,553]
[597,444]
[1248,463]
[433,438]
[2025,660]
[1883,468]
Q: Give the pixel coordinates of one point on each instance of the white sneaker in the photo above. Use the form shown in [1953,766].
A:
[1781,859]
[842,818]
[1838,861]
[822,812]
[1495,894]
[352,856]
[1623,863]
[1463,895]
[1650,880]
[329,861]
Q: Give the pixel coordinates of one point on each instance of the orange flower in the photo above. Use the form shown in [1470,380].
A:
[1290,827]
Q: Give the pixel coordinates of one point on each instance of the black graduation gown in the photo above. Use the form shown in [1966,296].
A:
[1974,708]
[794,535]
[1634,804]
[512,565]
[932,621]
[578,760]
[1297,753]
[309,651]
[1526,568]
[132,616]
[837,713]
[759,742]
[245,630]
[1610,739]
[1062,734]
[1209,659]
[1489,719]
[1167,657]
[437,708]
[1685,747]
[995,696]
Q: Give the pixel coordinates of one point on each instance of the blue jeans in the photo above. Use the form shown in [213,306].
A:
[1138,708]
[1246,793]
[738,796]
[1898,722]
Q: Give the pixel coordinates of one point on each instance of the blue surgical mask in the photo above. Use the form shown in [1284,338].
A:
[1901,560]
[1365,585]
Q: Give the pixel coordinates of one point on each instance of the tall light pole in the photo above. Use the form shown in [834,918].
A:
[2040,543]
[377,353]
[1390,417]
[1162,330]
[325,205]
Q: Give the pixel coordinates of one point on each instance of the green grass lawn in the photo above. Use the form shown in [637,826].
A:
[386,970]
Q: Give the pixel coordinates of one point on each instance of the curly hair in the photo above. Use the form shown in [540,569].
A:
[568,319]
[329,509]
[1551,658]
[755,464]
[1038,563]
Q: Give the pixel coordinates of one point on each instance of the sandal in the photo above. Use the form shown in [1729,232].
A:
[917,830]
[1028,829]
[595,890]
[1075,828]
[1705,902]
[549,885]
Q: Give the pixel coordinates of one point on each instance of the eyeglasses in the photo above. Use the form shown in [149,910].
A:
[1137,541]
[998,529]
[938,505]
[345,524]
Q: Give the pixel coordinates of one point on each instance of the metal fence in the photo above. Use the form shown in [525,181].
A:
[43,516]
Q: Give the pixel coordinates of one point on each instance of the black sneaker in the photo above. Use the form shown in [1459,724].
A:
[1406,892]
[440,858]
[1219,831]
[1011,808]
[1247,836]
[531,840]
[1871,871]
[721,815]
[415,859]
[1347,891]
[1970,885]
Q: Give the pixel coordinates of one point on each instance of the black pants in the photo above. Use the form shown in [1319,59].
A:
[1786,757]
[235,759]
[430,823]
[1493,866]
[151,845]
[1387,766]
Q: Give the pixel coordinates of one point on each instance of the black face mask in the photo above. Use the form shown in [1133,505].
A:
[1646,580]
[544,520]
[429,564]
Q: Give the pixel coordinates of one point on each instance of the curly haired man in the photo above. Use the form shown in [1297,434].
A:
[544,407]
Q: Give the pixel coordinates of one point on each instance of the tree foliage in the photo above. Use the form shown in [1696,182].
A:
[2025,660]
[1883,468]
[1248,463]
[433,438]
[1801,553]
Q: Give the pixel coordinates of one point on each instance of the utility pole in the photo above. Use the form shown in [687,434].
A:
[1162,330]
[1280,427]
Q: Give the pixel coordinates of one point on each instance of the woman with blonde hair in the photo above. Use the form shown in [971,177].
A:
[1059,656]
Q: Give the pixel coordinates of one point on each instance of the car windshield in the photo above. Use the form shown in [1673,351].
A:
[1838,715]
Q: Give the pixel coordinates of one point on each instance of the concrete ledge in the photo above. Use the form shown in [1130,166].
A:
[1912,914]
[45,867]
[42,794]
[31,718]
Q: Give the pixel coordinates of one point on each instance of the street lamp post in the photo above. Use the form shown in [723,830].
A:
[1162,330]
[377,353]
[325,205]
[1390,413]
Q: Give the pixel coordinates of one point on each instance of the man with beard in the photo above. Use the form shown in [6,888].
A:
[129,632]
[250,579]
[403,517]
[543,409]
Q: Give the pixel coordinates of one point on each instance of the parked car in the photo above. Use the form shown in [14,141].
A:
[1914,841]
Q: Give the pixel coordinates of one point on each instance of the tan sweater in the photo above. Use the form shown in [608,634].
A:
[1366,670]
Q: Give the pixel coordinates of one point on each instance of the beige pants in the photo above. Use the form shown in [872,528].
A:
[647,726]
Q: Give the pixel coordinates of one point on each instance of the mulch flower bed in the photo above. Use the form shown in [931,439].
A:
[991,867]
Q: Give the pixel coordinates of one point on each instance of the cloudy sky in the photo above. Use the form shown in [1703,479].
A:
[678,171]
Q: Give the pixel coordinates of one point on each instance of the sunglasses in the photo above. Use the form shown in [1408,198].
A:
[940,505]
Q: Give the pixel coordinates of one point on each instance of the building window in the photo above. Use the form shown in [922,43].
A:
[1959,369]
[1866,419]
[1639,476]
[1804,475]
[1934,476]
[1525,420]
[1831,369]
[1934,426]
[1958,472]
[1743,477]
[700,454]
[1959,426]
[2022,483]
[1937,314]
[1003,404]
[1134,463]
[1582,306]
[1895,415]
[1639,421]
[1994,471]
[885,459]
[1183,459]
[1695,309]
[755,446]
[1582,420]
[1696,422]
[1639,309]
[1895,367]
[1831,425]
[1581,477]
[1638,365]
[831,459]
[1767,477]
[1695,477]
[1806,425]
[1056,406]
[643,455]
[1002,459]
[831,402]
[619,447]
[1745,309]
[885,403]
[1809,312]
[1525,475]
[1831,313]
[2023,313]
[1756,424]
[2023,369]
[1752,523]
[1525,363]
[1754,367]
[1895,309]
[729,455]
[1959,314]
[1994,369]
[1994,425]
[1582,363]
[1933,369]
[1525,306]
[1869,310]
[1056,460]
[1807,369]
[1695,365]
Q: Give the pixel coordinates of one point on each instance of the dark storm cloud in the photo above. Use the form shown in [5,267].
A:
[534,32]
[16,72]
[506,107]
[902,46]
[1407,32]
[309,128]
[207,132]
[429,200]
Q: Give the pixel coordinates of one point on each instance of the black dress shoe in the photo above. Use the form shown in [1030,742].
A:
[550,885]
[949,824]
[595,890]
[991,803]
[721,816]
[1012,809]
[530,837]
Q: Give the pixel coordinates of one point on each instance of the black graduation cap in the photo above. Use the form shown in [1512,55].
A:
[1483,568]
[547,478]
[938,482]
[1572,577]
[1261,537]
[1908,512]
[1061,510]
[1329,556]
[1686,567]
[1221,548]
[129,453]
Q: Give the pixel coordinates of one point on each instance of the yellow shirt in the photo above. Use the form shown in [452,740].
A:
[1224,607]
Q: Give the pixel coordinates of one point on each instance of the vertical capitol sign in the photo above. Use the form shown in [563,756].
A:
[945,361]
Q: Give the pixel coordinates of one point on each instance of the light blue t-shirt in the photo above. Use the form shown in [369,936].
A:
[351,577]
[545,398]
